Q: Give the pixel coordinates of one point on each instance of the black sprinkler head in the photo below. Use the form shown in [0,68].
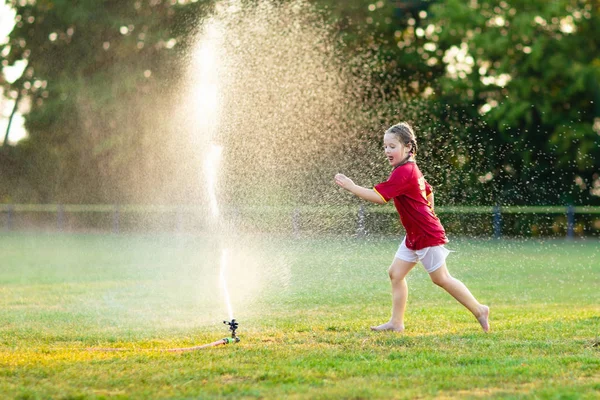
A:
[233,325]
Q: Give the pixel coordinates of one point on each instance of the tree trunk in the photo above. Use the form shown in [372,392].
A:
[12,114]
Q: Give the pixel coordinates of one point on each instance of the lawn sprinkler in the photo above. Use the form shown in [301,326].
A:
[233,325]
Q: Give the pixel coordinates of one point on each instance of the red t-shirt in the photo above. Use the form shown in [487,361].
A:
[407,186]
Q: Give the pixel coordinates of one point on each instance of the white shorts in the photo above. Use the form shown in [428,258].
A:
[431,257]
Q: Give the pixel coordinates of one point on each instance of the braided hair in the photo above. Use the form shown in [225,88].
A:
[405,135]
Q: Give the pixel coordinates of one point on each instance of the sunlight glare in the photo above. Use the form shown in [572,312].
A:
[206,88]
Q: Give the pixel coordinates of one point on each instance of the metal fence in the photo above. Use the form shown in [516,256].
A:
[569,221]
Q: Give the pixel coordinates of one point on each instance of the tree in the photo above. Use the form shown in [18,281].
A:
[505,97]
[101,77]
[530,72]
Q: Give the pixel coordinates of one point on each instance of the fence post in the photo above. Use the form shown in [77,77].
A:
[9,217]
[116,219]
[570,221]
[361,230]
[60,217]
[497,222]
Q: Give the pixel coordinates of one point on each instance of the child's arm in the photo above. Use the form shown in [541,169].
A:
[362,192]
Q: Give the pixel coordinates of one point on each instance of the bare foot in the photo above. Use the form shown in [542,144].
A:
[484,318]
[388,326]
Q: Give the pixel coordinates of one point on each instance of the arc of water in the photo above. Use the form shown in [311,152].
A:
[212,167]
[207,112]
[223,278]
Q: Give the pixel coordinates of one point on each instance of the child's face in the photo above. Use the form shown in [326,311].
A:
[395,151]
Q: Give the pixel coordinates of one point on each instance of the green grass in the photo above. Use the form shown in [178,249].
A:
[304,308]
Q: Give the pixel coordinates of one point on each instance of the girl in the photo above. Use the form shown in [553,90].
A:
[425,235]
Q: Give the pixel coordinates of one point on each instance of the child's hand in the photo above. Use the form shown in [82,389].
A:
[343,181]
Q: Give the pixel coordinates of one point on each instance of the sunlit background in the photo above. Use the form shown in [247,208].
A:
[170,164]
[504,98]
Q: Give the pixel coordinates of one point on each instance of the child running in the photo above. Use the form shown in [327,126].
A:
[425,235]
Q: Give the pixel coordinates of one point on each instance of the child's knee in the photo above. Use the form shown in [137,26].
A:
[391,272]
[394,274]
[440,278]
[399,269]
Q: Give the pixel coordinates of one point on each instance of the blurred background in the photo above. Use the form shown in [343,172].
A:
[109,108]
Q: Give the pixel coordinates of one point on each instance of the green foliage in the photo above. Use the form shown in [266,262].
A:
[534,76]
[101,76]
[514,121]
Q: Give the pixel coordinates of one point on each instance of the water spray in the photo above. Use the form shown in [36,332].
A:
[207,110]
[211,169]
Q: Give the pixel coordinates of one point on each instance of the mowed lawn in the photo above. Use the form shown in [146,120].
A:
[304,306]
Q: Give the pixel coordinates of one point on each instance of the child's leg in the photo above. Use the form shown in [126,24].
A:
[397,271]
[460,292]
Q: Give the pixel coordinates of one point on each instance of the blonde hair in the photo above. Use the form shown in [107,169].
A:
[405,135]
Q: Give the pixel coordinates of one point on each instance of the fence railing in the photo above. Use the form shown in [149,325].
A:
[113,215]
